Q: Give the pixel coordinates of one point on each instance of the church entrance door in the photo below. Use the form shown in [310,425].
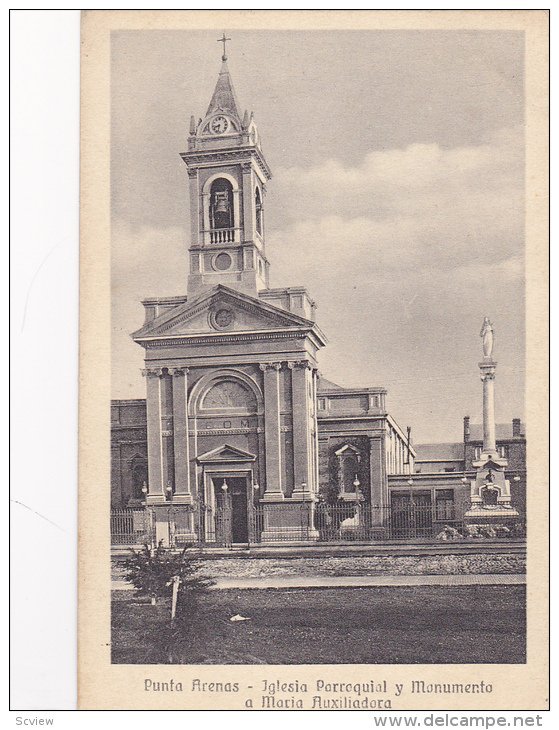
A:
[239,506]
[233,505]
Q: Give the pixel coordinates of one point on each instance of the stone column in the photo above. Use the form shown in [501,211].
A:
[153,408]
[272,432]
[303,467]
[487,375]
[180,435]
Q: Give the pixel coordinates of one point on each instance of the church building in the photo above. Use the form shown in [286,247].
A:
[236,411]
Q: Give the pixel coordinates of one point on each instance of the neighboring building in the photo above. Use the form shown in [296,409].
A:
[443,472]
[236,407]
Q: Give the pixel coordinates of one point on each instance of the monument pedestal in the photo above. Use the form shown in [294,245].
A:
[490,495]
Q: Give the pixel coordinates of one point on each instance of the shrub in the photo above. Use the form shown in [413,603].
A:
[151,570]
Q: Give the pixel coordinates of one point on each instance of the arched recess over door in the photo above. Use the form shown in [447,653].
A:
[226,391]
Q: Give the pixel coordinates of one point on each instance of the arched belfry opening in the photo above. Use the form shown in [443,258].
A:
[222,216]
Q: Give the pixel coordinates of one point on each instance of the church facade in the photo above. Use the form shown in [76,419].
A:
[236,411]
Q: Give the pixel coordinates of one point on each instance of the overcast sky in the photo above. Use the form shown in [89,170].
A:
[397,199]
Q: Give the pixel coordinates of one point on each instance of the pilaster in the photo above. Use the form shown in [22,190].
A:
[167,433]
[303,466]
[248,205]
[195,221]
[153,411]
[272,431]
[180,435]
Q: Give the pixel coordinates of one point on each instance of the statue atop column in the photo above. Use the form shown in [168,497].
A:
[486,335]
[490,495]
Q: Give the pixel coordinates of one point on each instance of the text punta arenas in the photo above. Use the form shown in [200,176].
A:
[274,697]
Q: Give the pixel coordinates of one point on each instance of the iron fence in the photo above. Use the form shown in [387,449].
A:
[351,522]
[131,526]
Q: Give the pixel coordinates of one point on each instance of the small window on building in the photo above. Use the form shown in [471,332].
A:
[444,504]
[258,208]
[477,452]
[503,451]
[322,404]
[448,469]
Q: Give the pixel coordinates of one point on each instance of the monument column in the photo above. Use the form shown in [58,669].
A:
[180,435]
[153,409]
[488,379]
[272,431]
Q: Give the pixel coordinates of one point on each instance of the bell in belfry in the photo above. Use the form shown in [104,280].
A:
[222,210]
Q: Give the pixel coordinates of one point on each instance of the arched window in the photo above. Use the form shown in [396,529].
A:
[258,208]
[221,204]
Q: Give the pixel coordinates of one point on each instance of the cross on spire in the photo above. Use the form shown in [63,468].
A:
[223,40]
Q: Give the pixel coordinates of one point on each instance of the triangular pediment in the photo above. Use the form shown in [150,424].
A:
[348,448]
[220,310]
[226,454]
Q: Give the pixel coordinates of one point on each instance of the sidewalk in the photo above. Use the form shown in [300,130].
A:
[354,581]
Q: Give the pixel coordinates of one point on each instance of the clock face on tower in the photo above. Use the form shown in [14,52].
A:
[219,124]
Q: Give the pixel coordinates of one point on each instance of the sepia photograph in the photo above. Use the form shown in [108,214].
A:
[317,267]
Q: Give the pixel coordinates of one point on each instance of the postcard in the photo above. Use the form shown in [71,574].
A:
[313,360]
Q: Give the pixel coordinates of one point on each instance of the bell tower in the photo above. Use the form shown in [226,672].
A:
[227,175]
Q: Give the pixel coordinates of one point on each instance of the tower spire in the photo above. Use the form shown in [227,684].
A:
[224,98]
